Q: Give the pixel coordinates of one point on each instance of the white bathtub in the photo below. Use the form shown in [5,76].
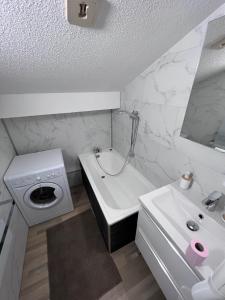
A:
[116,195]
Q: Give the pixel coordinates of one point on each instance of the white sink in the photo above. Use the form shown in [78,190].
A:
[171,209]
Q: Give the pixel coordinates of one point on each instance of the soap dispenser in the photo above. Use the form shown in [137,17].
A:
[186,180]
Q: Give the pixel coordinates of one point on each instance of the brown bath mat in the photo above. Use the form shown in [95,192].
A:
[79,265]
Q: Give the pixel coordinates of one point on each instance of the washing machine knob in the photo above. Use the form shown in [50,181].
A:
[38,178]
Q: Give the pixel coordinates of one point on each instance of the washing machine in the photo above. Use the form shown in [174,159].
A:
[38,184]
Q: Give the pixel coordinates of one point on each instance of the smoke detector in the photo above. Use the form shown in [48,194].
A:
[81,13]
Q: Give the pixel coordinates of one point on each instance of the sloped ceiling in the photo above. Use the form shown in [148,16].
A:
[41,52]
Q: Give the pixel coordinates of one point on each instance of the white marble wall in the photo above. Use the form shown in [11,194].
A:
[206,109]
[73,133]
[161,95]
[6,155]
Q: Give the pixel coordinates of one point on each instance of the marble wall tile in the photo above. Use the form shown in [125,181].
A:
[6,155]
[161,94]
[73,133]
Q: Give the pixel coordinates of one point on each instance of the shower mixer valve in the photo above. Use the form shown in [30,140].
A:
[97,149]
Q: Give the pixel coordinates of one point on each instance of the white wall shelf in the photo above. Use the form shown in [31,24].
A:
[23,105]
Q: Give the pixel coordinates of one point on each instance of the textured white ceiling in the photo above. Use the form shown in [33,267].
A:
[41,52]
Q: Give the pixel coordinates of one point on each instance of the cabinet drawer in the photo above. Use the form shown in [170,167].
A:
[180,271]
[157,268]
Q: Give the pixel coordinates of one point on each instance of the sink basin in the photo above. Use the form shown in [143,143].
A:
[171,210]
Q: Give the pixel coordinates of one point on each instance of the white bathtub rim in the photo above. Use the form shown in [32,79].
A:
[112,215]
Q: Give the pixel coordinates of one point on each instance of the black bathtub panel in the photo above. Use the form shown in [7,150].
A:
[123,232]
[118,234]
[102,223]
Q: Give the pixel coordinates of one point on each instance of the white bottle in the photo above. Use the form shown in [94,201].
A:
[186,180]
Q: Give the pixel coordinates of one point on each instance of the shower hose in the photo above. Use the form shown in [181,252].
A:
[134,130]
[120,171]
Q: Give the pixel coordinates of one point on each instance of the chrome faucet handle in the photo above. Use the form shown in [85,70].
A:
[214,196]
[212,200]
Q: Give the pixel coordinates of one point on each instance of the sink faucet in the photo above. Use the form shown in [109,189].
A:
[212,200]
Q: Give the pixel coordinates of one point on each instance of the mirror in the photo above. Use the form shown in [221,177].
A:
[204,120]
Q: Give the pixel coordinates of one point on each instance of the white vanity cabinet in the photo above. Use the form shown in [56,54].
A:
[171,271]
[12,255]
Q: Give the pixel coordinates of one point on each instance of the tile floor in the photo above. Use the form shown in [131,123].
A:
[137,280]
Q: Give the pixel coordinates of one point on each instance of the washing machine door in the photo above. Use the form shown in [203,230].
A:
[43,195]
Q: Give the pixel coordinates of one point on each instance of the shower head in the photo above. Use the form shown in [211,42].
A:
[135,115]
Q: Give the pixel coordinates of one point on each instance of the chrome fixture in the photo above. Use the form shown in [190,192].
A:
[97,149]
[134,130]
[212,201]
[192,225]
[135,124]
[134,115]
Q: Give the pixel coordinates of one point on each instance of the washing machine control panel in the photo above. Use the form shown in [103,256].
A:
[36,178]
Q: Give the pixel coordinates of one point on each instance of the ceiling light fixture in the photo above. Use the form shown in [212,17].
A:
[81,13]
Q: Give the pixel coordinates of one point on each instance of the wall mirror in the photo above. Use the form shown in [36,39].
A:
[204,120]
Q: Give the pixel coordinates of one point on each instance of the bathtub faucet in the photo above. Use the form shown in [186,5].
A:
[96,149]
